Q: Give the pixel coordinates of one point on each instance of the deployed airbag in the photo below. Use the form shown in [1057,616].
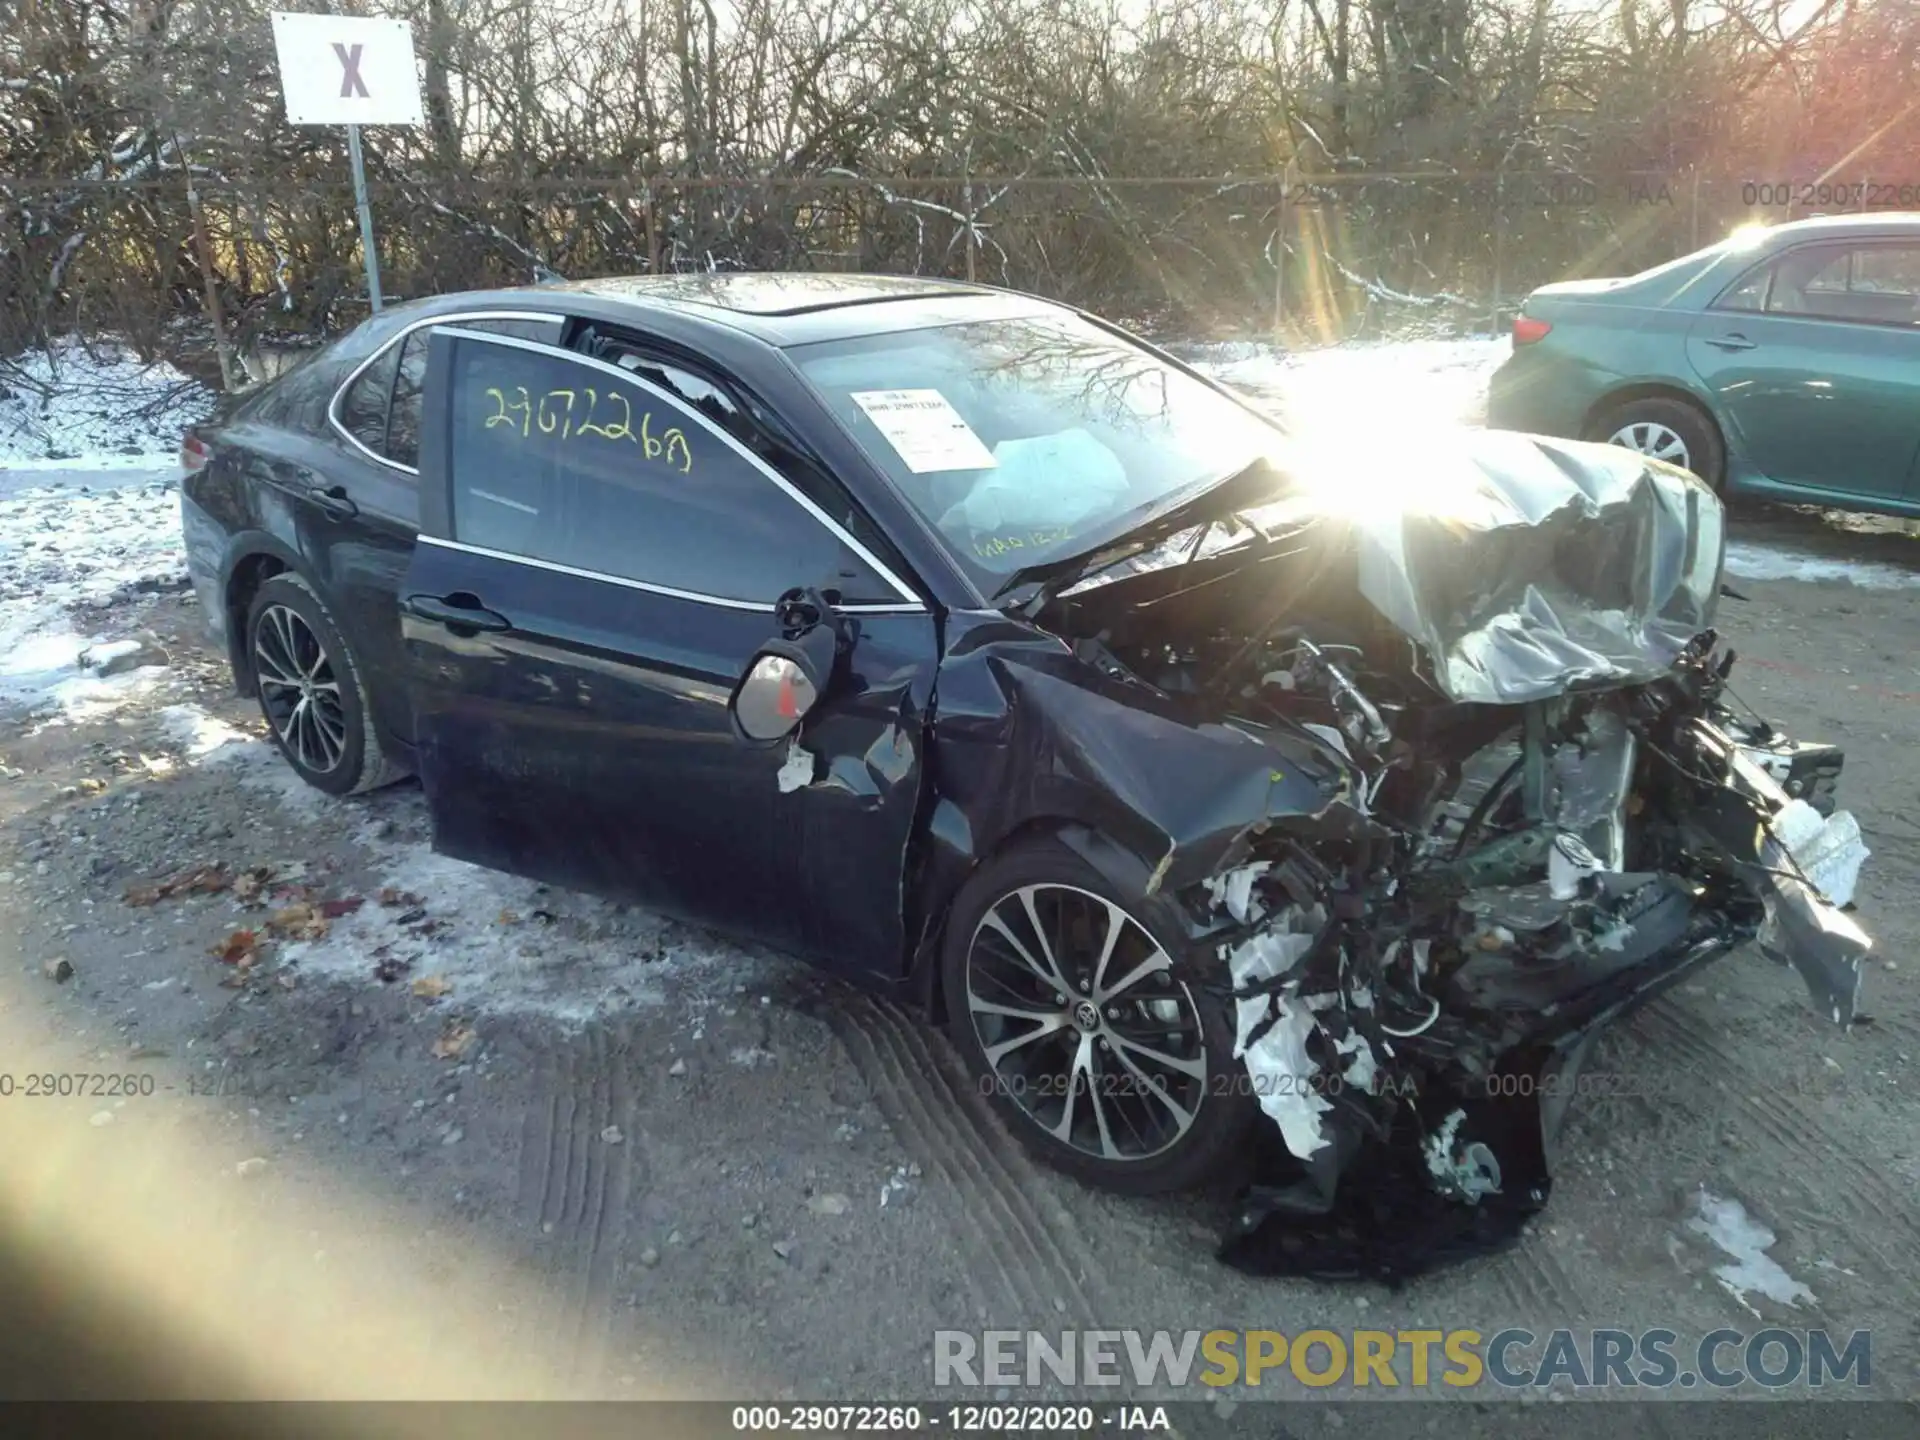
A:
[1041,482]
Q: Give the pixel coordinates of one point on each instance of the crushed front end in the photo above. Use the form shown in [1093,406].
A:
[1551,808]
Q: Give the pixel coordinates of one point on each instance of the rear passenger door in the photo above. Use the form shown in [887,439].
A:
[599,562]
[360,514]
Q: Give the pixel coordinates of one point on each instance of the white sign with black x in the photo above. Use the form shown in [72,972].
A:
[347,69]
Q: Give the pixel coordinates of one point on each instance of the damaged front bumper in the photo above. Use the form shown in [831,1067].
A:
[1414,1020]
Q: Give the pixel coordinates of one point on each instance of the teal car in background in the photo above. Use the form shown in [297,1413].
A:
[1782,362]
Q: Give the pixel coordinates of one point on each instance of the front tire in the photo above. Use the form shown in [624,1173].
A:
[1667,429]
[310,690]
[1064,1000]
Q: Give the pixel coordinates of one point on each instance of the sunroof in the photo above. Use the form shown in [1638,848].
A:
[775,293]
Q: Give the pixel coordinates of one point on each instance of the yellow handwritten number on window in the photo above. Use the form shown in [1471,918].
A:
[553,414]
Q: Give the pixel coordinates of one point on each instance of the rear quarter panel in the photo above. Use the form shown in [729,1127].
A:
[1595,350]
[249,502]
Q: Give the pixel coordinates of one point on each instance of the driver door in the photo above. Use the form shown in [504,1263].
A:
[597,567]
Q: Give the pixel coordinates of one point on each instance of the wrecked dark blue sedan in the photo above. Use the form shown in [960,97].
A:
[1238,808]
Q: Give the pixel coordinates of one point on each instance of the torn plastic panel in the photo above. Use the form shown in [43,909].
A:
[1527,568]
[1749,822]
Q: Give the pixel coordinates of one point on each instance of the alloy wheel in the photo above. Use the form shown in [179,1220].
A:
[1650,437]
[1083,1023]
[298,689]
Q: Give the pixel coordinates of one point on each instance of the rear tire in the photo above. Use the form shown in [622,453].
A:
[1145,1059]
[1656,424]
[310,690]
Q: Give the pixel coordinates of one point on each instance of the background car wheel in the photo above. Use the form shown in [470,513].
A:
[310,691]
[1670,430]
[1061,997]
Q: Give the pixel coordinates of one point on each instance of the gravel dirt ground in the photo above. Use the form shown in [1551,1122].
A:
[520,1141]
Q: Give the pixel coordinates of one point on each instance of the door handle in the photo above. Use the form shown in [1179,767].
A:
[333,500]
[1735,341]
[457,612]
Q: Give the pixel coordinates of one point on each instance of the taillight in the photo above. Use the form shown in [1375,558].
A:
[1526,329]
[194,453]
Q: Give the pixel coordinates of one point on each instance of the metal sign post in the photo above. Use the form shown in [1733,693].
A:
[366,216]
[349,70]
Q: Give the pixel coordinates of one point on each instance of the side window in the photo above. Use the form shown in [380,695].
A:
[363,408]
[710,400]
[1750,293]
[748,424]
[559,460]
[1887,269]
[1872,283]
[403,420]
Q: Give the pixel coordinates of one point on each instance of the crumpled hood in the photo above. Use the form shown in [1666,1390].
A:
[1527,567]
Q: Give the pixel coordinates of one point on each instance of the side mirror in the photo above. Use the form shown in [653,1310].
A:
[781,685]
[788,675]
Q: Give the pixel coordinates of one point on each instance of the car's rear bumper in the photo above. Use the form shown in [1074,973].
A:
[1531,392]
[206,544]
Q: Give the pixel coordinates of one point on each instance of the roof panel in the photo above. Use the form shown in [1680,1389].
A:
[770,293]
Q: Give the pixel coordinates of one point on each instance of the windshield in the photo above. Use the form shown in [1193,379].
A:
[1028,439]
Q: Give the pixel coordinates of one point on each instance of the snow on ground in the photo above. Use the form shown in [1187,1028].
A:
[1780,562]
[502,944]
[1728,1225]
[82,539]
[99,402]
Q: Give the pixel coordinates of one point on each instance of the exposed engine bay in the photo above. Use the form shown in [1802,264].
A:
[1542,804]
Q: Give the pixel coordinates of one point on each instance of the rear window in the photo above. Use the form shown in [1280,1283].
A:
[1692,260]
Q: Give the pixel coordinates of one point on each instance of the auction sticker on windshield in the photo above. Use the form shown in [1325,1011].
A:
[925,429]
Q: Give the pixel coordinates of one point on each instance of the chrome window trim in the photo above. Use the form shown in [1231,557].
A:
[908,600]
[557,568]
[400,338]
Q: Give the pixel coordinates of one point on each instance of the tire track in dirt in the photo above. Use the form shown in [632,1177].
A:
[1034,1255]
[1850,1192]
[1535,1282]
[576,1186]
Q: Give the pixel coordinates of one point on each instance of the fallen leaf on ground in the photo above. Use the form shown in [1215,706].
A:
[250,885]
[298,922]
[293,894]
[388,968]
[507,917]
[200,880]
[432,987]
[240,948]
[334,909]
[454,1041]
[395,899]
